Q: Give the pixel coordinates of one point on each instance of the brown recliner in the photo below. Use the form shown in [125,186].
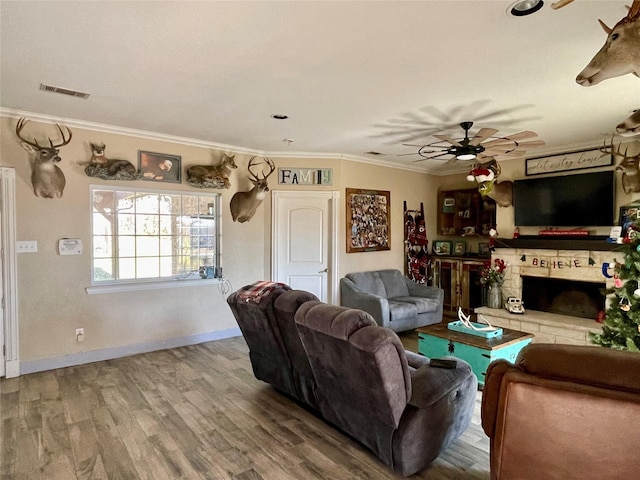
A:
[564,412]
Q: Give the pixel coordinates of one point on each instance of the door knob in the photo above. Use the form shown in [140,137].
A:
[324,271]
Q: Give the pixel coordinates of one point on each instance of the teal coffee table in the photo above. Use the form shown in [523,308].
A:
[435,341]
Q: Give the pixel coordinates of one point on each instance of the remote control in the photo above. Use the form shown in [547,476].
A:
[443,363]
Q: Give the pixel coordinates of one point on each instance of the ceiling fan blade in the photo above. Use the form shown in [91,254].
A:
[482,134]
[532,143]
[446,138]
[500,149]
[522,135]
[498,142]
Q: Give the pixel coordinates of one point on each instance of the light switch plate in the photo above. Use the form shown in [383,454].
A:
[27,246]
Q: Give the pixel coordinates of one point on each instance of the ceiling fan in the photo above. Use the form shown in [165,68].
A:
[483,145]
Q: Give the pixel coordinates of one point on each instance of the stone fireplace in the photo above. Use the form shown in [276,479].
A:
[561,290]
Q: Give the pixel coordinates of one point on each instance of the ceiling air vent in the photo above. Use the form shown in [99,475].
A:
[64,91]
[373,153]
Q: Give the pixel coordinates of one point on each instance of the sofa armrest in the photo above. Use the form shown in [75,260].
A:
[351,296]
[415,360]
[418,290]
[429,384]
[491,394]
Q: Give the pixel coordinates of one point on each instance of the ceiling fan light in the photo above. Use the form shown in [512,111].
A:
[525,7]
[466,156]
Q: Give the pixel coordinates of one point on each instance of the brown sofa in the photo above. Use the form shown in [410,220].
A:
[356,375]
[564,412]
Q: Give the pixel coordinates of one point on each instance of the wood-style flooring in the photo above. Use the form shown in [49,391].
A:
[188,413]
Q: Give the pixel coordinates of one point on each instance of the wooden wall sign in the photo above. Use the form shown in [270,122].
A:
[568,161]
[305,176]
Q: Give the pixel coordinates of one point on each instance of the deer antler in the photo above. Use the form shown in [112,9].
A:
[23,121]
[272,167]
[65,140]
[268,161]
[614,151]
[560,4]
[19,126]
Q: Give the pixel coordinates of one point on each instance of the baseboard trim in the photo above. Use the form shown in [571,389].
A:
[33,366]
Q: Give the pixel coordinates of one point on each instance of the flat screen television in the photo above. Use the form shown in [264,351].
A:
[582,200]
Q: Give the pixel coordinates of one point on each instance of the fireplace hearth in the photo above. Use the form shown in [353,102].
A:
[563,297]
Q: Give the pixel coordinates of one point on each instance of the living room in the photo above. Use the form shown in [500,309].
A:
[55,295]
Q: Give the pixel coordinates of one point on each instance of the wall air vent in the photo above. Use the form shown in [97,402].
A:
[64,91]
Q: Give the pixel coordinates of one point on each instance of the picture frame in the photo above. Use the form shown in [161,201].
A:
[484,250]
[459,248]
[628,215]
[576,160]
[368,216]
[442,247]
[160,167]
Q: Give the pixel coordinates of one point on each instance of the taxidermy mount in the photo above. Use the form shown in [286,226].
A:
[628,165]
[109,168]
[47,178]
[244,204]
[212,176]
[619,56]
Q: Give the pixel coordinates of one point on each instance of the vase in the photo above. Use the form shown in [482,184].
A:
[494,295]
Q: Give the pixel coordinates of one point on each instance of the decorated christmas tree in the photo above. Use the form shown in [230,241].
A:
[621,329]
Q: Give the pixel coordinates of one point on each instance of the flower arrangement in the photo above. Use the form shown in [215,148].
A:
[493,272]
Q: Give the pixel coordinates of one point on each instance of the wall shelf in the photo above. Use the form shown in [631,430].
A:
[595,243]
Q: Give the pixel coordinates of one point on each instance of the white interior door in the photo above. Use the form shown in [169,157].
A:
[304,253]
[2,359]
[9,361]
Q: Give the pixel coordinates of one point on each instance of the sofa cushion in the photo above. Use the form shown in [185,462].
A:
[424,305]
[401,310]
[394,283]
[368,282]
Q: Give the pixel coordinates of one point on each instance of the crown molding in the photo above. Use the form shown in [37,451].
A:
[130,132]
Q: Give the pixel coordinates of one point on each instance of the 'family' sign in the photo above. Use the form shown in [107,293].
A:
[305,176]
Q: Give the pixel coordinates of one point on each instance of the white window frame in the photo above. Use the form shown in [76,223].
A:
[182,280]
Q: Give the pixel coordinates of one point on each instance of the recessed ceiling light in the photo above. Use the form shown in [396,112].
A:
[278,116]
[522,8]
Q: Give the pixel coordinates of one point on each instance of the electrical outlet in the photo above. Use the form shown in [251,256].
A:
[27,246]
[79,334]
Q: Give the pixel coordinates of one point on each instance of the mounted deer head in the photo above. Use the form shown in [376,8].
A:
[244,204]
[46,177]
[486,174]
[620,54]
[629,166]
[631,126]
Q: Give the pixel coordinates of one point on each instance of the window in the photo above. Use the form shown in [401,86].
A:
[151,235]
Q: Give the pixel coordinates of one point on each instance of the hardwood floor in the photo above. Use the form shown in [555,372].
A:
[188,413]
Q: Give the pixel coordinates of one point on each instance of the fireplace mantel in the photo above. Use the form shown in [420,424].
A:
[593,243]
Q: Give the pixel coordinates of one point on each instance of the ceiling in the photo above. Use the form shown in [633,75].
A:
[352,76]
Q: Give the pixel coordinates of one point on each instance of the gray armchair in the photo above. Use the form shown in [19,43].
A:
[394,301]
